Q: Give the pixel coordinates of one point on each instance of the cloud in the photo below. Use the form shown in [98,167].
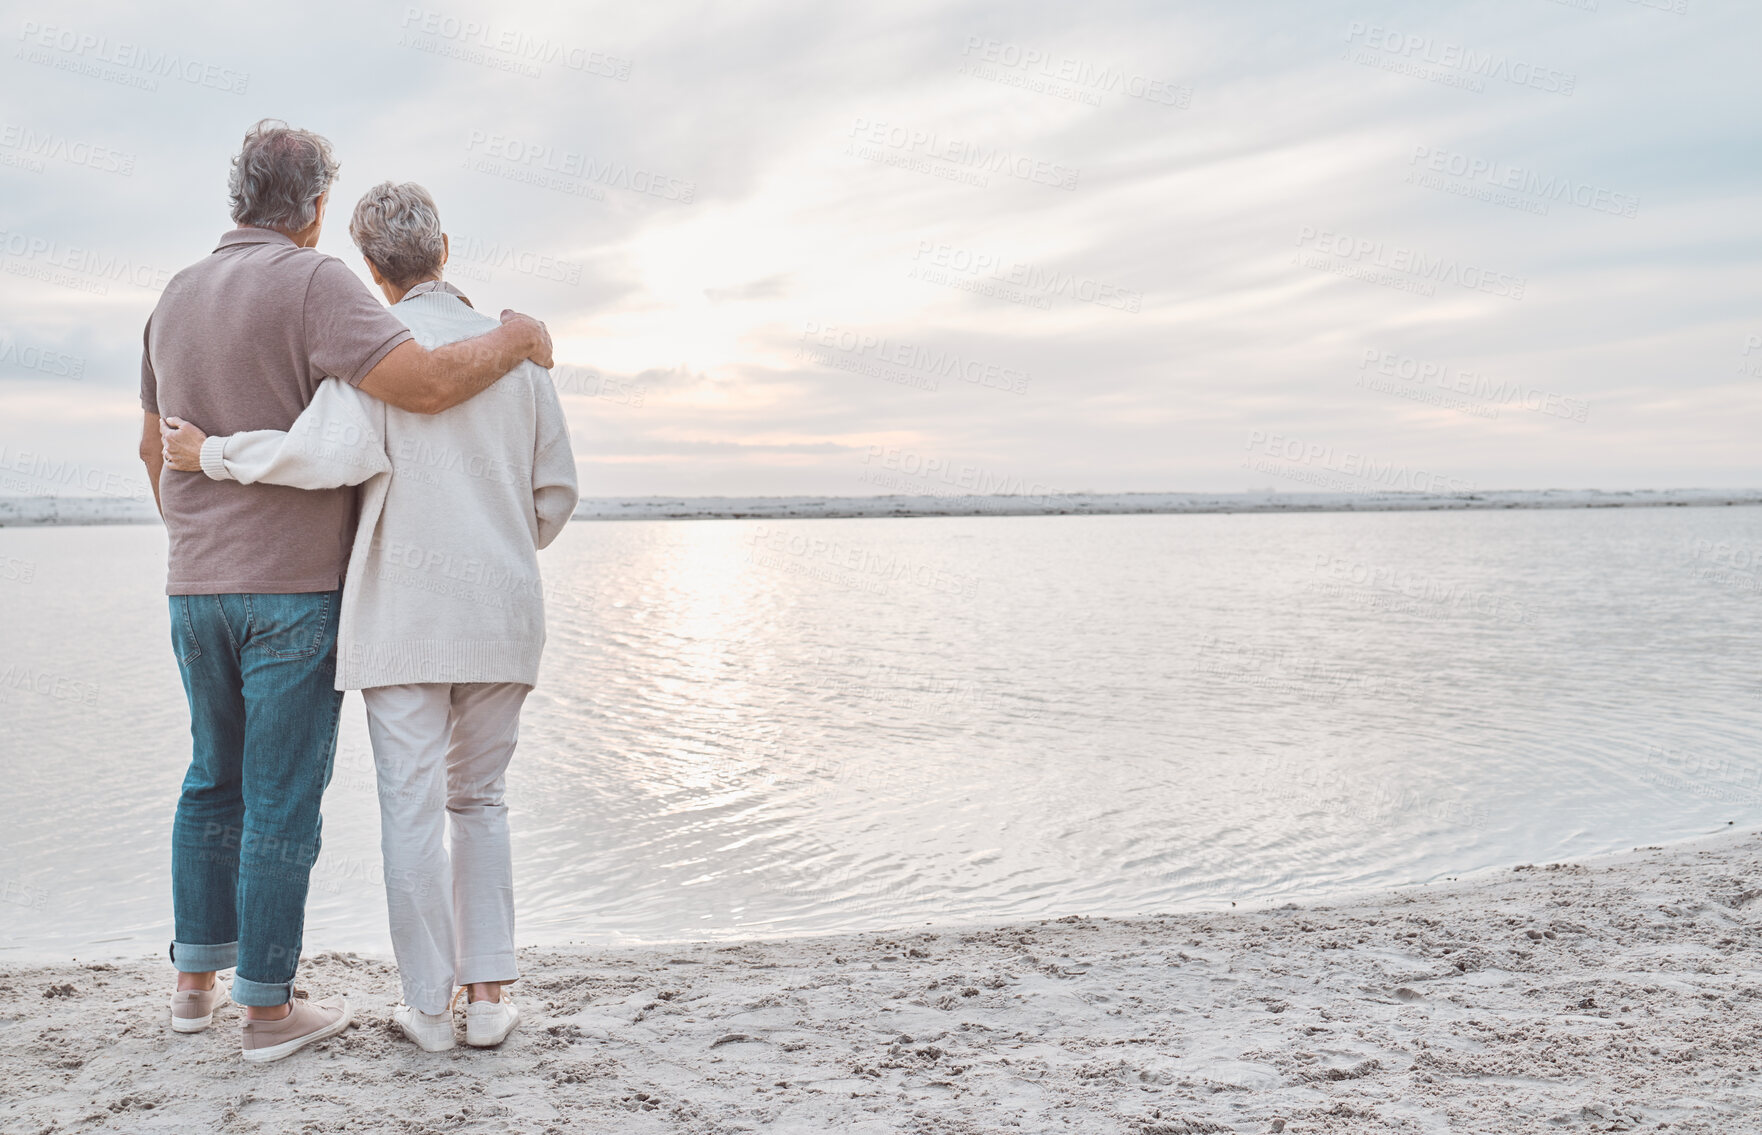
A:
[771,287]
[1169,228]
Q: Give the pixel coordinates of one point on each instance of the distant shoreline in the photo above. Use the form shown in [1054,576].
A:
[25,512]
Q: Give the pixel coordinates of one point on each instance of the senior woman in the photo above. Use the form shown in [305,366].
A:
[442,615]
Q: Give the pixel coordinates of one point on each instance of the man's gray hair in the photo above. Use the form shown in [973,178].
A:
[278,176]
[397,227]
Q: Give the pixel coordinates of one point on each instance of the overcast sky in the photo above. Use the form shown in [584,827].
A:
[823,248]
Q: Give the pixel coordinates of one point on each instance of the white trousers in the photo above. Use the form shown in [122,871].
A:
[442,752]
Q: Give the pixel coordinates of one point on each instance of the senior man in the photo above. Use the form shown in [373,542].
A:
[241,340]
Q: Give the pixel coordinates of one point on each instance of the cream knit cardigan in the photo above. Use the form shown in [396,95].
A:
[443,582]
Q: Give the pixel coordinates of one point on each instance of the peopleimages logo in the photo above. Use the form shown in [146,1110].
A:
[100,57]
[1411,53]
[1031,282]
[588,171]
[1339,576]
[1502,175]
[1410,262]
[930,361]
[518,48]
[32,357]
[37,146]
[85,269]
[1076,80]
[911,472]
[494,254]
[28,473]
[1480,395]
[1752,369]
[976,156]
[851,566]
[1344,470]
[19,676]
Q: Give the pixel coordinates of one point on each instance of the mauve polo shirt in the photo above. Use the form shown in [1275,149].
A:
[240,341]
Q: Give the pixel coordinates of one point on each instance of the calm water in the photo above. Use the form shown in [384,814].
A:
[764,728]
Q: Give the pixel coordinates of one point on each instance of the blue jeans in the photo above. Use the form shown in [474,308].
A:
[259,672]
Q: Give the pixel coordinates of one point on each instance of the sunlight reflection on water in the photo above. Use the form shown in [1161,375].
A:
[780,727]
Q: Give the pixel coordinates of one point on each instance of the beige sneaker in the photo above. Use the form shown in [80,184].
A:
[192,1010]
[488,1023]
[307,1021]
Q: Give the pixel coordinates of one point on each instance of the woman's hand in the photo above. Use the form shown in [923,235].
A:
[182,444]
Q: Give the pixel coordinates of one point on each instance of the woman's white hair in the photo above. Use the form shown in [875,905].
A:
[397,227]
[278,175]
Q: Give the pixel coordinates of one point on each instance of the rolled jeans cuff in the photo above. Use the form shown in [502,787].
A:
[190,958]
[261,994]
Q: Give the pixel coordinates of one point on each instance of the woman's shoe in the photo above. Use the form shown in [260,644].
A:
[488,1023]
[432,1032]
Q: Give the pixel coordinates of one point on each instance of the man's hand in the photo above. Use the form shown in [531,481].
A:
[421,381]
[541,352]
[181,444]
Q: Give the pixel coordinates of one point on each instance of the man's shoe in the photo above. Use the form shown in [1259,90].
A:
[432,1032]
[488,1023]
[192,1010]
[307,1021]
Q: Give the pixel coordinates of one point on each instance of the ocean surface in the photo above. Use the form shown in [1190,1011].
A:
[763,728]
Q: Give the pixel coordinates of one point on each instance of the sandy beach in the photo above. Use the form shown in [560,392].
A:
[1617,994]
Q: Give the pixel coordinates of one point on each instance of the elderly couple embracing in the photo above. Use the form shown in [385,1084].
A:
[354,495]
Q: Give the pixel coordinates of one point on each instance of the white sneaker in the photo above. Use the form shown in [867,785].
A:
[488,1023]
[432,1032]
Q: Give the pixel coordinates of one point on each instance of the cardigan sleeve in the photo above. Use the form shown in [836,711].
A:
[339,439]
[554,491]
